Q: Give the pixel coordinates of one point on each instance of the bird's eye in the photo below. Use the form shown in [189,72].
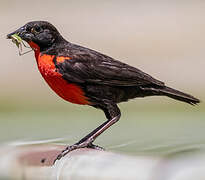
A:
[35,29]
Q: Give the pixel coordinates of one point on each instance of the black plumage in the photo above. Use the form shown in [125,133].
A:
[103,77]
[104,80]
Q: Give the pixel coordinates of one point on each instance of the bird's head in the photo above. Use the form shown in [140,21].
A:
[37,33]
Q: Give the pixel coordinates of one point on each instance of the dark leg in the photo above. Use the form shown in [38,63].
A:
[112,113]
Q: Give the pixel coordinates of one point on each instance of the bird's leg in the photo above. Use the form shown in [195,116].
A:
[112,112]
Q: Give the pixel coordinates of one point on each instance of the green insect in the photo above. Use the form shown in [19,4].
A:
[18,41]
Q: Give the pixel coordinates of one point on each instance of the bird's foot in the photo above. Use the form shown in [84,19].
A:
[93,146]
[77,146]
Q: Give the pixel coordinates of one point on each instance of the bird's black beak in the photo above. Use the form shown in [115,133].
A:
[9,36]
[21,32]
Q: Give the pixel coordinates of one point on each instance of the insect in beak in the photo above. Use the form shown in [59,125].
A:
[19,43]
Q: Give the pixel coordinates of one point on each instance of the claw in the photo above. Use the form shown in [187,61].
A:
[76,146]
[93,146]
[66,151]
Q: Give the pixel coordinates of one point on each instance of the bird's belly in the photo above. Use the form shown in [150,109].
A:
[68,91]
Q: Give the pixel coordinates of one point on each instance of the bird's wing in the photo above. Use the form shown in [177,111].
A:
[88,66]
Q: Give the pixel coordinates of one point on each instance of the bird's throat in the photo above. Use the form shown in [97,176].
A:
[35,47]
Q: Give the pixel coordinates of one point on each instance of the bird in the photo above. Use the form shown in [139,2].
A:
[86,77]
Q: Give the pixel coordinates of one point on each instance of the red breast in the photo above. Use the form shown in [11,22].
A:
[68,91]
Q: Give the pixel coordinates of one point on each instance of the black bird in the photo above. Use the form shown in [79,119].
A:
[84,76]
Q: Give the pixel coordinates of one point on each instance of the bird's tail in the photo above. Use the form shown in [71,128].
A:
[170,92]
[178,95]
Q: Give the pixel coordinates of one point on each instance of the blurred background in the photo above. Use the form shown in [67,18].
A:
[163,38]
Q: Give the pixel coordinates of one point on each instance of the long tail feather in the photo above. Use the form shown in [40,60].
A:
[178,95]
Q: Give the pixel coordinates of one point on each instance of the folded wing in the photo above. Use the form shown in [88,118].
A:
[92,67]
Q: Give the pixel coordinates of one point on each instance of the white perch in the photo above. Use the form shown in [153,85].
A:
[33,162]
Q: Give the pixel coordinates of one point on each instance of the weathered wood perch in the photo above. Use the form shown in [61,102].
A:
[33,162]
